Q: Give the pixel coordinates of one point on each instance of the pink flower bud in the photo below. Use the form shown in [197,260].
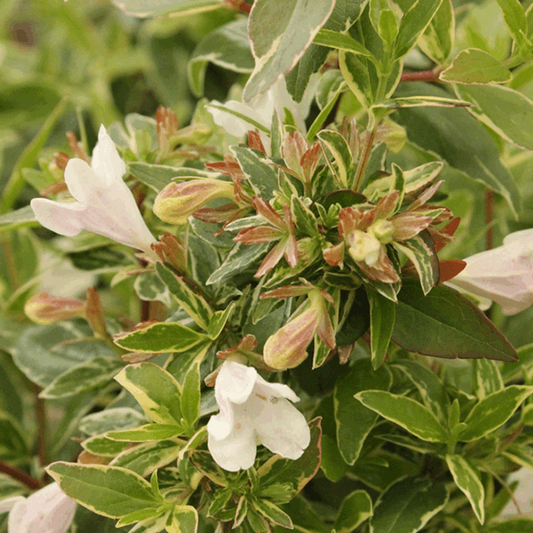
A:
[177,201]
[45,309]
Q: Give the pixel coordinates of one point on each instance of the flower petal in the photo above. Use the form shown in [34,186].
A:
[235,382]
[276,390]
[59,217]
[106,163]
[16,516]
[81,180]
[8,503]
[281,427]
[236,451]
[220,426]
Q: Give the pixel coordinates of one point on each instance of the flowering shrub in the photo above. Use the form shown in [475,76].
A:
[251,322]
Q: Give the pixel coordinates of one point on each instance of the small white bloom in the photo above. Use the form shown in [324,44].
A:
[504,274]
[253,410]
[104,205]
[261,109]
[46,511]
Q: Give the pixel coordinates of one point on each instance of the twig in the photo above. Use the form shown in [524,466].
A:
[424,75]
[41,426]
[21,476]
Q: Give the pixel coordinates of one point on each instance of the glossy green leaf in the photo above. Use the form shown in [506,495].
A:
[218,321]
[183,519]
[149,432]
[354,420]
[157,391]
[157,177]
[106,490]
[341,41]
[459,139]
[514,17]
[147,8]
[273,513]
[354,510]
[160,337]
[447,325]
[475,66]
[337,146]
[487,378]
[520,524]
[111,419]
[493,411]
[262,176]
[191,396]
[506,111]
[280,32]
[407,506]
[228,47]
[192,302]
[467,479]
[406,412]
[382,318]
[149,287]
[101,445]
[87,376]
[437,41]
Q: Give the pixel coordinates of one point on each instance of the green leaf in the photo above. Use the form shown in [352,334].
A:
[44,352]
[324,114]
[487,378]
[506,111]
[406,412]
[111,419]
[437,41]
[476,66]
[344,15]
[149,456]
[228,47]
[191,396]
[407,506]
[156,391]
[459,139]
[193,304]
[304,218]
[262,177]
[341,41]
[92,374]
[337,146]
[421,253]
[360,76]
[160,337]
[218,321]
[429,386]
[106,490]
[354,510]
[280,32]
[294,472]
[447,325]
[183,519]
[100,445]
[354,421]
[493,411]
[273,513]
[413,24]
[18,218]
[382,318]
[149,287]
[139,516]
[520,524]
[157,177]
[467,479]
[12,442]
[149,432]
[238,261]
[514,17]
[147,8]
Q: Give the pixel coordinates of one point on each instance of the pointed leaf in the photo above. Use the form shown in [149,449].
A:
[149,432]
[476,66]
[354,510]
[262,177]
[382,318]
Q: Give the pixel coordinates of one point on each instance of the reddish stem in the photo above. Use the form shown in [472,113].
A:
[40,415]
[425,75]
[239,5]
[21,476]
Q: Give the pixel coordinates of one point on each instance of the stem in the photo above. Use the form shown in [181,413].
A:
[424,75]
[489,237]
[239,5]
[363,161]
[21,476]
[40,416]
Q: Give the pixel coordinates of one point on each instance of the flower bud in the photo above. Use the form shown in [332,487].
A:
[45,309]
[363,246]
[177,201]
[382,230]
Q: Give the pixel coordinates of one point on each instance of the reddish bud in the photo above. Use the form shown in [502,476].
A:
[45,309]
[95,313]
[171,250]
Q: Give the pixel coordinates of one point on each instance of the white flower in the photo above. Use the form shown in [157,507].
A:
[251,410]
[46,511]
[504,274]
[261,109]
[104,205]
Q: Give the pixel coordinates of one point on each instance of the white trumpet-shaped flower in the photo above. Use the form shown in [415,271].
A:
[46,511]
[253,410]
[104,203]
[504,274]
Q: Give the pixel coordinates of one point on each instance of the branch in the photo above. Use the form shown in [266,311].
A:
[424,75]
[21,476]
